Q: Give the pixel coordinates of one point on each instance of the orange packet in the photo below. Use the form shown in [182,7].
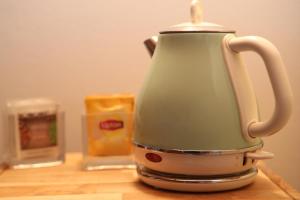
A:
[109,124]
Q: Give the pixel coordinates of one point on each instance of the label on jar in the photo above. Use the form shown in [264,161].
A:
[111,124]
[37,134]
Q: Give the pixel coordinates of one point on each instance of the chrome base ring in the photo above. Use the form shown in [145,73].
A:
[190,183]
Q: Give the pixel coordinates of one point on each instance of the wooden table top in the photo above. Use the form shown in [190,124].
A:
[68,181]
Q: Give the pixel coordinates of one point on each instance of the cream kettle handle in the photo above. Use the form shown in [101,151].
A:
[279,81]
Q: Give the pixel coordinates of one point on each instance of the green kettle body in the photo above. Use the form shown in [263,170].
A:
[187,101]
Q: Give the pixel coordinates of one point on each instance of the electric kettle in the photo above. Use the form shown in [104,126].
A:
[197,125]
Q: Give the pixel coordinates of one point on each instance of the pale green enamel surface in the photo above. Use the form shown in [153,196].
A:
[187,101]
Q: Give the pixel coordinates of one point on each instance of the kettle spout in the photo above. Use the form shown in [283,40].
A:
[151,44]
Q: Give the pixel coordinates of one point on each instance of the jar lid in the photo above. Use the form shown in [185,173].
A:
[31,106]
[197,24]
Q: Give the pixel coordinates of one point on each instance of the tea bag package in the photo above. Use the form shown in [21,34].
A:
[35,133]
[107,132]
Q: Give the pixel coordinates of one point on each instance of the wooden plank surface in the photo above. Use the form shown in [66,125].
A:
[279,181]
[68,181]
[106,196]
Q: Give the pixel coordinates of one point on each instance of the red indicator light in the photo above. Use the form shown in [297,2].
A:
[153,157]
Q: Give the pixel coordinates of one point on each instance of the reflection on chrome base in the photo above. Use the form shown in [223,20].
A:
[190,183]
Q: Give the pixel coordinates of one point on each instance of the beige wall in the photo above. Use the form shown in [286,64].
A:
[66,49]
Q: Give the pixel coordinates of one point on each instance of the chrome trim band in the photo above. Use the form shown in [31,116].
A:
[148,173]
[202,152]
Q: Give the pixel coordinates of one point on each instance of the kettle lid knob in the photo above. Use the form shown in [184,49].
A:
[197,24]
[196,11]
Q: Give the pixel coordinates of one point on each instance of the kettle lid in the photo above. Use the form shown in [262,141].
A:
[197,24]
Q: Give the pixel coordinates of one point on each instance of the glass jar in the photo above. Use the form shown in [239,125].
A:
[107,132]
[35,133]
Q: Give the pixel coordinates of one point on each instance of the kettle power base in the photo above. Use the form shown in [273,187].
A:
[189,183]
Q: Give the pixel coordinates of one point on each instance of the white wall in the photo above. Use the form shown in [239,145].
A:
[66,49]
